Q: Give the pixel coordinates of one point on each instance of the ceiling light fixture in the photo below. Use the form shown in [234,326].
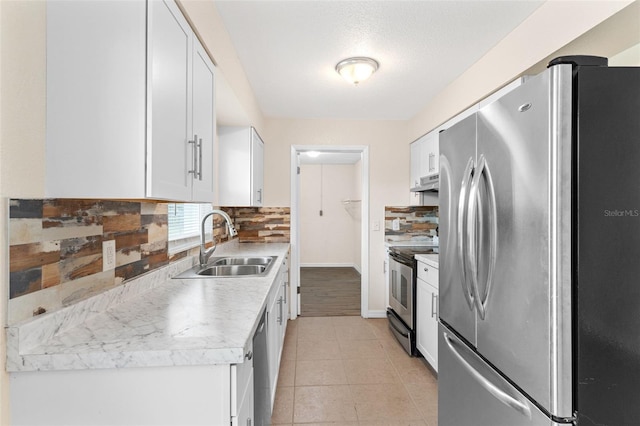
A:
[357,69]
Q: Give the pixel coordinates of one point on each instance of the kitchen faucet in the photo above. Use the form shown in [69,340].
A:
[204,253]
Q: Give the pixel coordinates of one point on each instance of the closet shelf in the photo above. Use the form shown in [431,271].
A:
[353,208]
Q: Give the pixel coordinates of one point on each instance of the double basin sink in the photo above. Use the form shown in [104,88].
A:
[231,266]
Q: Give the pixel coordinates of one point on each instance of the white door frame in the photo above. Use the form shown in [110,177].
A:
[295,222]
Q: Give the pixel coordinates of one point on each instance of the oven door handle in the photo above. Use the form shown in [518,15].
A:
[394,290]
[399,260]
[395,327]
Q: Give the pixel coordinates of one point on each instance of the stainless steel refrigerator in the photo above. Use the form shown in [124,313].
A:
[540,253]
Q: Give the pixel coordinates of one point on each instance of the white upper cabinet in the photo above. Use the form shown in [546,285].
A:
[257,169]
[121,102]
[169,107]
[416,151]
[425,151]
[96,84]
[204,124]
[424,157]
[241,165]
[431,154]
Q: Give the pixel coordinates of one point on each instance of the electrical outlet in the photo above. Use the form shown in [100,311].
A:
[108,255]
[376,225]
[396,224]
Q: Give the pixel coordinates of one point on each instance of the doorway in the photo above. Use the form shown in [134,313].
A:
[325,160]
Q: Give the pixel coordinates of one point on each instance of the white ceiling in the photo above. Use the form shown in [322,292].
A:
[289,50]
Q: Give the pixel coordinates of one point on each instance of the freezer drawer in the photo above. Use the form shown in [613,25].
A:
[471,393]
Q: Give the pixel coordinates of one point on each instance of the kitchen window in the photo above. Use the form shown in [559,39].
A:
[184,225]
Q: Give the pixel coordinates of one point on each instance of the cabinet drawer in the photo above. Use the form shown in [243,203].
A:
[428,273]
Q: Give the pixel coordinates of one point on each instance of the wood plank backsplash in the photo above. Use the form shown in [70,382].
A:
[416,223]
[55,249]
[262,224]
[55,246]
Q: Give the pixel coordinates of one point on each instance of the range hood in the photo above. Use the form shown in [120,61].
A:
[429,183]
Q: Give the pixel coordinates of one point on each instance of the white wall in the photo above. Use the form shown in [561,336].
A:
[526,50]
[356,210]
[328,240]
[22,131]
[629,57]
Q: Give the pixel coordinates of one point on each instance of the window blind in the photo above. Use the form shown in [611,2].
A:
[185,219]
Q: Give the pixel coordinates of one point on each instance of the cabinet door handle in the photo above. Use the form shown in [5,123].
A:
[248,422]
[260,195]
[194,157]
[280,310]
[434,306]
[249,355]
[199,158]
[433,296]
[426,269]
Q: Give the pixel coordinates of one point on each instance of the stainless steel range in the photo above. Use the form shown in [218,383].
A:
[401,312]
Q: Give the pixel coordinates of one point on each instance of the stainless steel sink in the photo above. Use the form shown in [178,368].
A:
[232,270]
[265,260]
[231,266]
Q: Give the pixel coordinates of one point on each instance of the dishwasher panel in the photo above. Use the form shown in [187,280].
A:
[261,389]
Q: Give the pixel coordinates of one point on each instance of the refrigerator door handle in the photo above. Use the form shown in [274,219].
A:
[462,219]
[520,406]
[475,204]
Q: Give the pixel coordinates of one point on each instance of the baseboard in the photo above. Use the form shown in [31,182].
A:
[377,314]
[330,265]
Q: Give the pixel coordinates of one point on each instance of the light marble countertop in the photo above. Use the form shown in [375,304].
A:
[429,259]
[157,322]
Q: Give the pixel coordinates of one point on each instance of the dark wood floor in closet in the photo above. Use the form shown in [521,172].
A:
[329,292]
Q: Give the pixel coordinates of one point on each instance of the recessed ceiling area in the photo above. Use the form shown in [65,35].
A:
[289,50]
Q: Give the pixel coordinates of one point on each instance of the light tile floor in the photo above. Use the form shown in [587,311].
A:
[351,371]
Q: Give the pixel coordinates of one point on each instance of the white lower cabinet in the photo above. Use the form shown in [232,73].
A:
[427,313]
[148,396]
[284,284]
[273,338]
[277,315]
[242,395]
[221,394]
[245,410]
